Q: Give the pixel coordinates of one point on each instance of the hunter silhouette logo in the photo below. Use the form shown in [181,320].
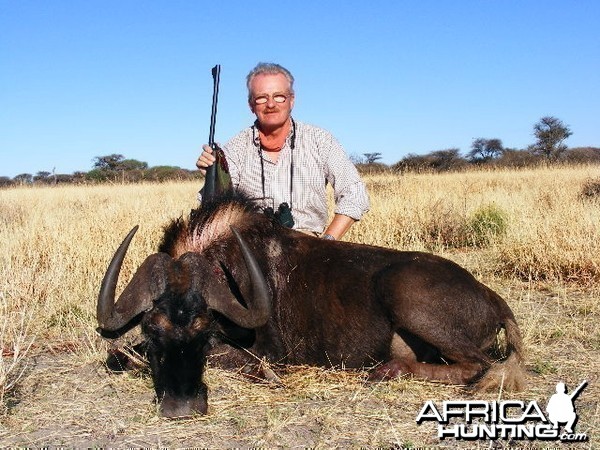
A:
[507,419]
[561,407]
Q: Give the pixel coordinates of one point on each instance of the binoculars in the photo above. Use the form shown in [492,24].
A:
[283,215]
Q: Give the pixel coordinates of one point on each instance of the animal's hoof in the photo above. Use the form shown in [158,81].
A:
[388,371]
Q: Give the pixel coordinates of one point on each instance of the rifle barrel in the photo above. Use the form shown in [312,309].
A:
[216,73]
[576,392]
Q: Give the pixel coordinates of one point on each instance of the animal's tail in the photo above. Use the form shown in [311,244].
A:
[507,374]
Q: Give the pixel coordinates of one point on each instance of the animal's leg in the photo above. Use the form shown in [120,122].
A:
[411,356]
[401,355]
[455,373]
[442,307]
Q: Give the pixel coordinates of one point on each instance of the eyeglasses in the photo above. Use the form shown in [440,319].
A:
[277,98]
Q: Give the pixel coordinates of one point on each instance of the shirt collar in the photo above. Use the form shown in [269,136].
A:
[290,137]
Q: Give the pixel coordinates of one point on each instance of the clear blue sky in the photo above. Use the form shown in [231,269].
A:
[80,79]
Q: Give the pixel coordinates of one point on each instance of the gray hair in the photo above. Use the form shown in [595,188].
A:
[269,69]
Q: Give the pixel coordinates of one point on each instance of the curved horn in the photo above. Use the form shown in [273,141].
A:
[147,284]
[260,306]
[219,297]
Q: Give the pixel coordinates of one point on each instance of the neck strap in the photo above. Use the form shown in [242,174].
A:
[262,163]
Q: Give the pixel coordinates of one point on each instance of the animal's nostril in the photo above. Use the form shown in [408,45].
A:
[175,408]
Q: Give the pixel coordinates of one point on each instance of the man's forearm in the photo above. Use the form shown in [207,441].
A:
[339,226]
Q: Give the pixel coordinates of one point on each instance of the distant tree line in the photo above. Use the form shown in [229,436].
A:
[549,148]
[112,168]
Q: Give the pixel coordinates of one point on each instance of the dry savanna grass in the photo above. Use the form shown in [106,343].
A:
[532,235]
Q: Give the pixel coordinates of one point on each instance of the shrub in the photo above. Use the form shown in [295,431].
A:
[449,229]
[448,160]
[517,159]
[485,225]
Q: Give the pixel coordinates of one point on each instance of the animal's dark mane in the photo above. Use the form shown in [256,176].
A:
[170,236]
[209,220]
[208,210]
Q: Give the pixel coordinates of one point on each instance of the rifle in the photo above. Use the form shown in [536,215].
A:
[577,391]
[217,178]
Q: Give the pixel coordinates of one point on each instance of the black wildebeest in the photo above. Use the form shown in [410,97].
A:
[229,281]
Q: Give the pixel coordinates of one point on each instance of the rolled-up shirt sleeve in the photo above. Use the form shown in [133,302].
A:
[353,201]
[350,193]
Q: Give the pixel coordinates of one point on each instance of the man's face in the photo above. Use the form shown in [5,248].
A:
[271,114]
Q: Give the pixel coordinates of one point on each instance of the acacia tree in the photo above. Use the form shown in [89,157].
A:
[484,150]
[551,134]
[24,178]
[42,177]
[371,158]
[133,164]
[108,162]
[117,162]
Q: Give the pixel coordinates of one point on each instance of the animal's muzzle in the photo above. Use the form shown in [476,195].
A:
[179,408]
